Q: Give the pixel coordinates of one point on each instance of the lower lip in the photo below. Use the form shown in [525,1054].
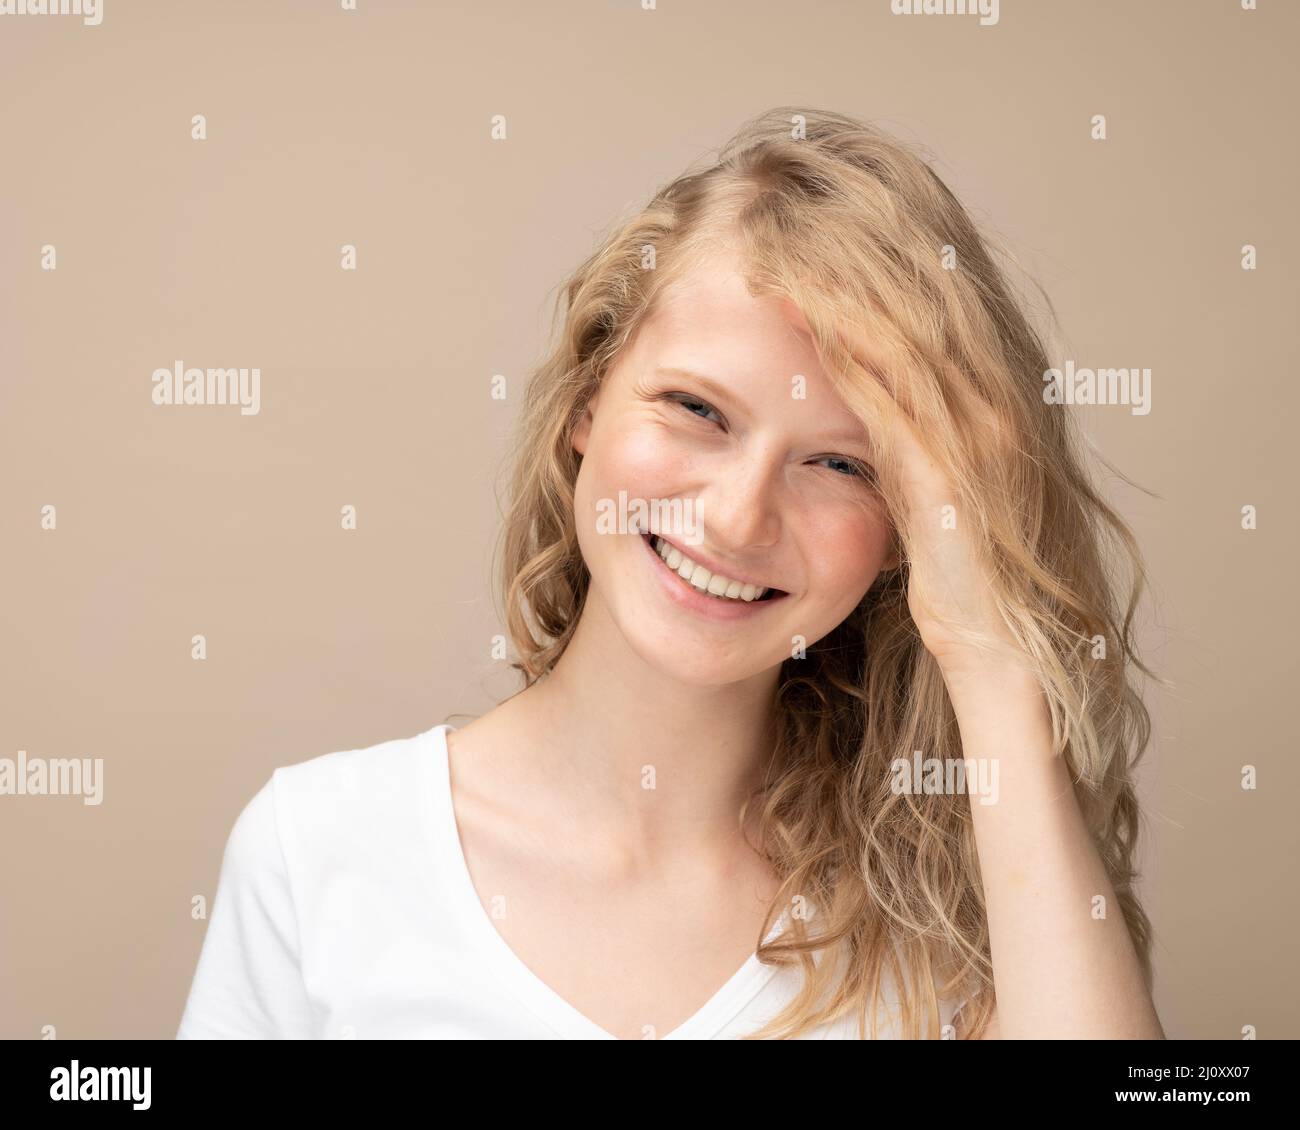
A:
[692,599]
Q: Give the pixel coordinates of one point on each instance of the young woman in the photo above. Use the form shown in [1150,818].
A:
[836,743]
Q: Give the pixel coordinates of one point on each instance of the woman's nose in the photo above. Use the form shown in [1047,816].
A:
[740,507]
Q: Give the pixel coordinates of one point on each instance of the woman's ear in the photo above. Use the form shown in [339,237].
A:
[582,429]
[895,557]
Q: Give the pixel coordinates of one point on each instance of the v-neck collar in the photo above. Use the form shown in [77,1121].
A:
[529,989]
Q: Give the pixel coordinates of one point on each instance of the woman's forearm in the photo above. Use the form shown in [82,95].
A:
[1064,965]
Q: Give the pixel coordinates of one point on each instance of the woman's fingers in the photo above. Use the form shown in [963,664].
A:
[923,480]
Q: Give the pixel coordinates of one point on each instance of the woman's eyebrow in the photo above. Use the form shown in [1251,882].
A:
[718,390]
[854,436]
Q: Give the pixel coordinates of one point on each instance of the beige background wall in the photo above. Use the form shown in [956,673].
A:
[328,127]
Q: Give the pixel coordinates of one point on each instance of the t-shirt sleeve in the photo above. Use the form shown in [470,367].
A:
[248,983]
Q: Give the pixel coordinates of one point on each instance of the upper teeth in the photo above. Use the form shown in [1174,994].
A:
[701,578]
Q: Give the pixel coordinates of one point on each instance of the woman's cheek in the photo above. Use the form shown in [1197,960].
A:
[860,551]
[645,460]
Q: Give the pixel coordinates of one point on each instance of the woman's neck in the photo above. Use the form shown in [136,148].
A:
[661,763]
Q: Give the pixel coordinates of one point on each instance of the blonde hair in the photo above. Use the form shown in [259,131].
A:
[856,229]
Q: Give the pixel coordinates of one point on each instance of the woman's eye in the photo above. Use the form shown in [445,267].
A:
[849,468]
[691,404]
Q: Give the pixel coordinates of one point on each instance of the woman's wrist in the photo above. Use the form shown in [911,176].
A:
[976,680]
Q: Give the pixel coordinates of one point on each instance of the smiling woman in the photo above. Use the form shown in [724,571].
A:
[819,301]
[686,822]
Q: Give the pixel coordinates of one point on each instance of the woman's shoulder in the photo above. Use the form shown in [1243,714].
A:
[315,810]
[342,777]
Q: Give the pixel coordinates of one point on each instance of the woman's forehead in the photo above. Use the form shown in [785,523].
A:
[716,294]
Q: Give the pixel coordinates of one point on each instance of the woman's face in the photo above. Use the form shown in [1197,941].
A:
[719,414]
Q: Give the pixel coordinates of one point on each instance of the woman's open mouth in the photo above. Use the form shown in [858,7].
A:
[700,581]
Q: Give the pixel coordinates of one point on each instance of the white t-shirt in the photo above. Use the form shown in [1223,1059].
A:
[345,909]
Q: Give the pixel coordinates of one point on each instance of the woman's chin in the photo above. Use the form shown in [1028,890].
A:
[693,659]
